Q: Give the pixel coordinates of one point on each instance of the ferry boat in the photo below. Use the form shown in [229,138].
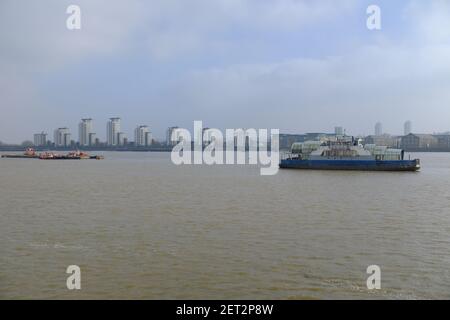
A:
[346,153]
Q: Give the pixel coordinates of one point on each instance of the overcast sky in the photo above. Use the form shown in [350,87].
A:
[300,66]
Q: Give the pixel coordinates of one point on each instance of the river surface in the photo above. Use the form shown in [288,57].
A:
[140,227]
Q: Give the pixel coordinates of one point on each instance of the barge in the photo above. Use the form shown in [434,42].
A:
[31,154]
[28,154]
[346,153]
[76,155]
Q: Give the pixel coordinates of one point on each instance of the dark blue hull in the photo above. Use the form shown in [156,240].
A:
[364,165]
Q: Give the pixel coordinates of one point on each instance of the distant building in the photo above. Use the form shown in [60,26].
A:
[418,141]
[206,136]
[383,140]
[92,139]
[378,129]
[121,139]
[240,137]
[40,139]
[286,140]
[315,136]
[339,131]
[62,137]
[443,141]
[407,128]
[142,136]
[148,139]
[169,132]
[85,129]
[112,132]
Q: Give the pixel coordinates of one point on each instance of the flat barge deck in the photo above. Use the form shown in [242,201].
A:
[19,156]
[31,154]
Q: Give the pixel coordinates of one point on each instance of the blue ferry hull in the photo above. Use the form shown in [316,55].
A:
[363,165]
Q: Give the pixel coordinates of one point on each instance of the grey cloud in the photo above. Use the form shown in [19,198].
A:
[387,81]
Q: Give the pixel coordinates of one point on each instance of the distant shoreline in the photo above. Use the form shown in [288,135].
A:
[17,148]
[129,149]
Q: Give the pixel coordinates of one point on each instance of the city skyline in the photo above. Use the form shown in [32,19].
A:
[143,135]
[89,137]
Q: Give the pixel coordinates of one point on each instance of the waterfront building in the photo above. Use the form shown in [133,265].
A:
[121,139]
[378,129]
[92,140]
[40,139]
[62,137]
[286,140]
[112,132]
[206,136]
[249,136]
[169,132]
[443,141]
[85,129]
[142,136]
[383,140]
[316,136]
[339,131]
[419,141]
[407,128]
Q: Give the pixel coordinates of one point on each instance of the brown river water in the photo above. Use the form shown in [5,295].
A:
[140,227]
